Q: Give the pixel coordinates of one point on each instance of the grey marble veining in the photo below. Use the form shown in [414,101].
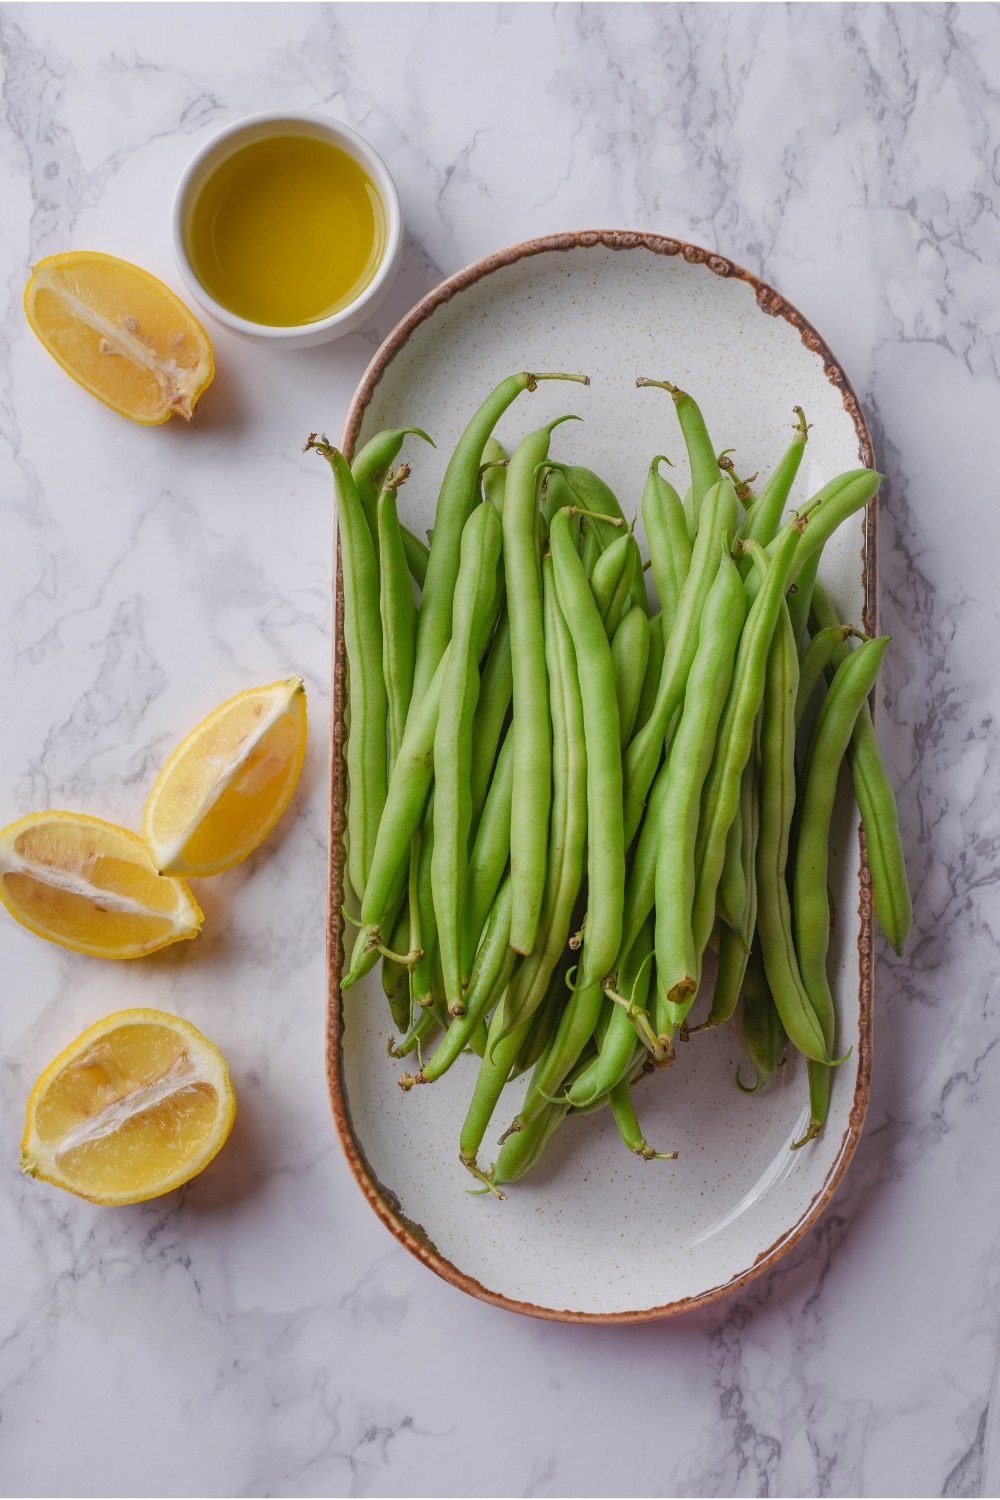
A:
[260,1333]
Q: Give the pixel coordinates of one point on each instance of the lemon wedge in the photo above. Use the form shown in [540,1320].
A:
[91,886]
[137,1105]
[227,784]
[121,334]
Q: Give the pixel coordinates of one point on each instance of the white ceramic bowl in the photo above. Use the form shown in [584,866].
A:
[593,1234]
[263,127]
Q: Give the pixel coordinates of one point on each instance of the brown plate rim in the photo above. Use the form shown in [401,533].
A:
[382,1199]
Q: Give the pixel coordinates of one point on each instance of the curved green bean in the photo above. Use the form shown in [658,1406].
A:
[763,518]
[734,744]
[458,494]
[815,660]
[678,959]
[760,1025]
[777,801]
[495,690]
[370,466]
[490,975]
[852,682]
[490,852]
[623,1110]
[366,736]
[877,805]
[642,756]
[700,449]
[398,611]
[404,805]
[667,537]
[474,593]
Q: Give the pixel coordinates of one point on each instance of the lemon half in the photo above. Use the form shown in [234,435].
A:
[136,1106]
[91,886]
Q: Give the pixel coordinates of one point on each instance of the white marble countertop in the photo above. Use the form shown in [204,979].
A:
[260,1333]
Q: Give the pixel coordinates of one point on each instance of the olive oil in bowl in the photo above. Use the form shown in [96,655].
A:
[286,231]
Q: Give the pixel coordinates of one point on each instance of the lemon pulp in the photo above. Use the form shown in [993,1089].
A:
[287,231]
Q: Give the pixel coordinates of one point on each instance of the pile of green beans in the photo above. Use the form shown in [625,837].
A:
[568,782]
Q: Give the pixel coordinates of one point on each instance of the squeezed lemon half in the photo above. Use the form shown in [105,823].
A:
[227,784]
[91,886]
[137,1105]
[121,334]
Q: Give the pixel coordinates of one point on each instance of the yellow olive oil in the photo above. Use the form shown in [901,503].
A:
[286,231]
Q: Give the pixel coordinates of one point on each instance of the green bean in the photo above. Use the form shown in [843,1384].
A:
[568,830]
[800,597]
[592,496]
[474,593]
[651,677]
[417,555]
[596,499]
[542,1027]
[398,611]
[490,852]
[666,533]
[643,754]
[877,805]
[777,800]
[522,1149]
[700,450]
[763,1034]
[737,897]
[763,518]
[495,690]
[494,473]
[835,503]
[532,727]
[372,464]
[494,1070]
[629,651]
[688,504]
[404,805]
[640,887]
[623,1109]
[366,736]
[605,841]
[395,976]
[557,493]
[736,731]
[852,682]
[424,1022]
[456,498]
[815,660]
[617,1047]
[591,548]
[490,975]
[611,580]
[678,960]
[422,898]
[729,978]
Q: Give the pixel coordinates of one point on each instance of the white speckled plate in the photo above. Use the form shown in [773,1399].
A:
[595,1234]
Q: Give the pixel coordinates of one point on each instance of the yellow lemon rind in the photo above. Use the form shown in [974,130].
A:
[34,1155]
[169,859]
[188,918]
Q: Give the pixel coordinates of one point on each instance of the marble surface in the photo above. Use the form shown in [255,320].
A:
[260,1333]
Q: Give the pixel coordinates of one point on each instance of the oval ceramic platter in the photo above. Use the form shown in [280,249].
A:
[594,1233]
